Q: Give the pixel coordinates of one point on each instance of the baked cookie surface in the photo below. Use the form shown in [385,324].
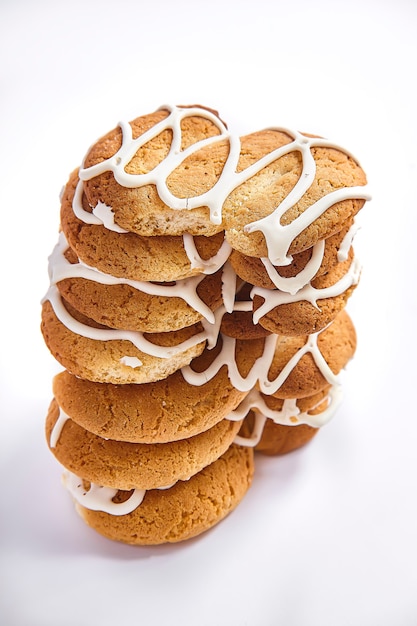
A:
[102,354]
[185,510]
[312,308]
[132,256]
[157,412]
[142,306]
[126,466]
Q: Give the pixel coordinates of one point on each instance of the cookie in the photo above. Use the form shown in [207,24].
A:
[141,306]
[312,308]
[277,439]
[254,270]
[103,354]
[168,516]
[274,426]
[130,256]
[157,412]
[304,365]
[126,466]
[283,366]
[127,170]
[303,189]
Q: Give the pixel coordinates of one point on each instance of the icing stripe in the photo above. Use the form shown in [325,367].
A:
[109,334]
[99,498]
[186,289]
[273,298]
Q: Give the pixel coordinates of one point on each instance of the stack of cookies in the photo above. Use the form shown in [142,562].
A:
[197,306]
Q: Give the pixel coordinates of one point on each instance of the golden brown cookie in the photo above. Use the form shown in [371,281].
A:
[126,466]
[304,365]
[102,354]
[262,219]
[185,510]
[283,366]
[278,439]
[311,405]
[310,309]
[128,255]
[140,209]
[156,412]
[272,425]
[128,307]
[252,269]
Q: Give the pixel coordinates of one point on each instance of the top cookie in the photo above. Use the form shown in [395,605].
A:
[142,171]
[179,170]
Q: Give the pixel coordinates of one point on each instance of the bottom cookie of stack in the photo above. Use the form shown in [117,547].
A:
[170,515]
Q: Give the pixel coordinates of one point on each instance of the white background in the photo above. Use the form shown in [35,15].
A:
[327,536]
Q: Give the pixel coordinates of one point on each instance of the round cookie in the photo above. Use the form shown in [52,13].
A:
[140,209]
[325,196]
[298,315]
[126,466]
[128,255]
[157,412]
[126,307]
[102,354]
[335,346]
[252,269]
[312,405]
[185,510]
[283,366]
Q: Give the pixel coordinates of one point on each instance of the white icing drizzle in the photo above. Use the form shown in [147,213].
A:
[311,346]
[105,214]
[207,266]
[57,429]
[274,298]
[228,287]
[346,243]
[256,434]
[109,334]
[295,283]
[131,361]
[226,357]
[278,236]
[98,498]
[102,215]
[186,289]
[259,372]
[289,415]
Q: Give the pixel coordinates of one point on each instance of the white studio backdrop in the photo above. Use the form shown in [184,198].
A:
[326,535]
